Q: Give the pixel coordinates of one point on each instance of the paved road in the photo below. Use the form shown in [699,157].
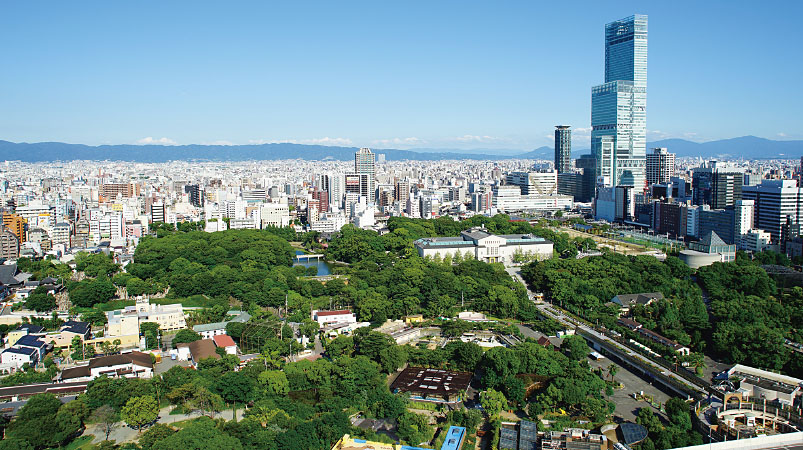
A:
[555,313]
[123,433]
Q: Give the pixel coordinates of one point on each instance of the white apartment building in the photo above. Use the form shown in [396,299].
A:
[123,322]
[327,317]
[329,223]
[535,183]
[275,214]
[510,199]
[755,241]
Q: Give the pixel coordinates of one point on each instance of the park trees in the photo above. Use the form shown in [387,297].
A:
[107,417]
[493,402]
[340,346]
[154,434]
[185,336]
[39,423]
[575,347]
[201,434]
[40,301]
[235,388]
[139,411]
[275,382]
[89,292]
[464,355]
[392,358]
[414,428]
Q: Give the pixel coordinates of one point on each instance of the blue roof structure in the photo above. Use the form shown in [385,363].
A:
[76,327]
[21,350]
[454,438]
[30,341]
[32,329]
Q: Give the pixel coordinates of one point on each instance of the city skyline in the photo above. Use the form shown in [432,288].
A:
[463,78]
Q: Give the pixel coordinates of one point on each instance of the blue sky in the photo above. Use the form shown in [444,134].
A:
[409,74]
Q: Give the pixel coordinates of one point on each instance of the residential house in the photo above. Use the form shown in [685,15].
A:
[33,342]
[72,328]
[124,365]
[16,357]
[326,317]
[24,329]
[628,301]
[210,330]
[202,349]
[226,343]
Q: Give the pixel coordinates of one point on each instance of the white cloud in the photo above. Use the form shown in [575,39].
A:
[219,142]
[479,139]
[160,141]
[657,134]
[319,141]
[327,141]
[782,134]
[399,142]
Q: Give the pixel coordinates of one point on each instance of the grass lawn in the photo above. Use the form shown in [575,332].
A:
[195,301]
[82,442]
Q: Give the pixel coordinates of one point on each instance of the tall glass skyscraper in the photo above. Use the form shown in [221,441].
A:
[365,163]
[619,107]
[563,149]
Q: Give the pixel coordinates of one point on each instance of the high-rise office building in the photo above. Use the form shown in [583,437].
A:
[618,107]
[194,194]
[9,244]
[588,164]
[402,191]
[16,224]
[535,183]
[660,166]
[777,203]
[563,149]
[323,199]
[365,163]
[717,186]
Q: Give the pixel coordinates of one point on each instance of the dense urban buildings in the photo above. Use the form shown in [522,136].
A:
[350,298]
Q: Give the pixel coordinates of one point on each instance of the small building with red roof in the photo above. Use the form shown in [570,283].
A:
[225,342]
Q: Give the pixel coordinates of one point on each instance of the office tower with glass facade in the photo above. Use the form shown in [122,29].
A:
[716,185]
[618,107]
[365,163]
[563,149]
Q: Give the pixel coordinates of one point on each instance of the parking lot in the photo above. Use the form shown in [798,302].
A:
[627,406]
[167,363]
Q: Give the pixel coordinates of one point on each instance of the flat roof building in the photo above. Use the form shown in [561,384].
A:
[478,243]
[435,385]
[767,385]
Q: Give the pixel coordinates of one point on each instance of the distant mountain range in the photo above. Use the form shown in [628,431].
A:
[747,147]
